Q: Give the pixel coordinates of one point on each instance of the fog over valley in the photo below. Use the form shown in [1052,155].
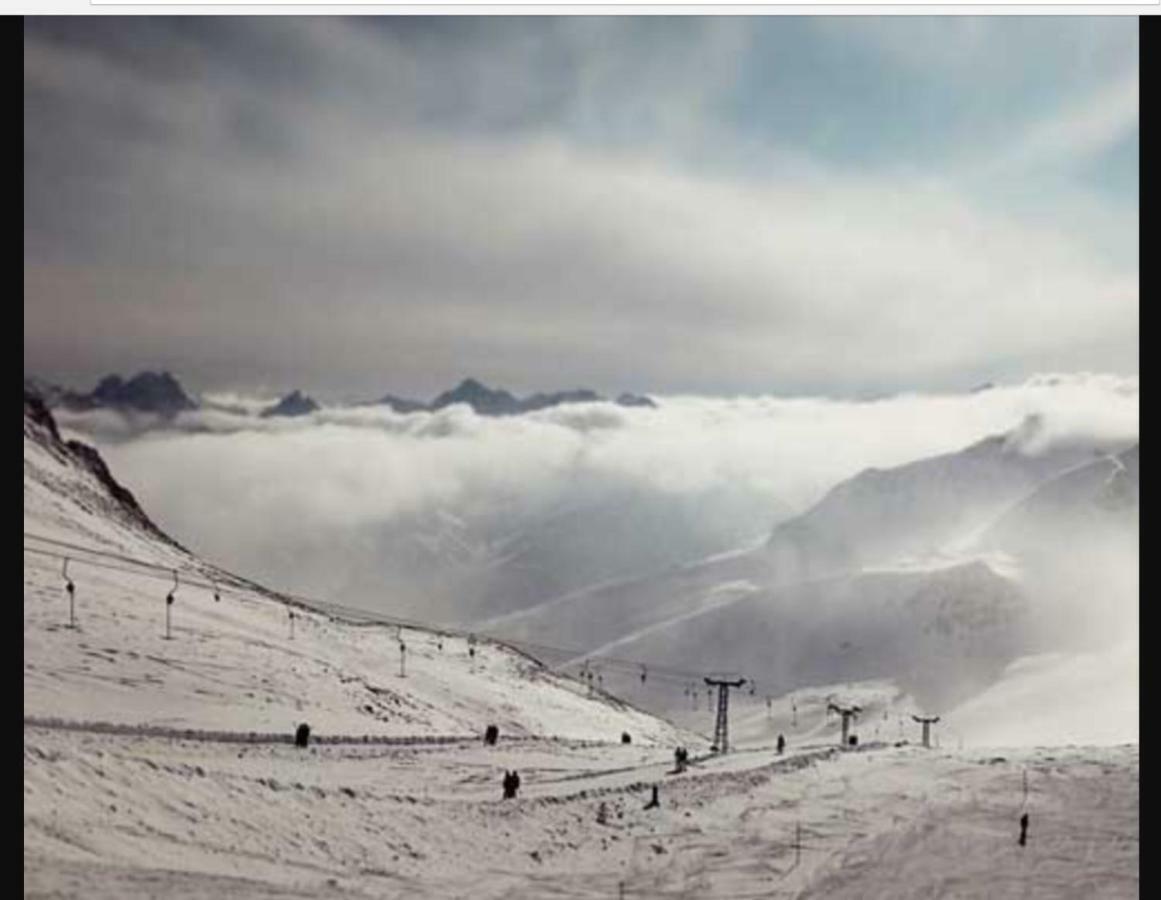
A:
[809,539]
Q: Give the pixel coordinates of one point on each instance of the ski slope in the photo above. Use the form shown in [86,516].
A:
[157,767]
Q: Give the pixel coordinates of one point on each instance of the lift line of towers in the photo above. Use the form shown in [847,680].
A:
[594,678]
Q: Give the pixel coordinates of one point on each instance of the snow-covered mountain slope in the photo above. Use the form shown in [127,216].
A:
[232,664]
[1077,541]
[1058,699]
[941,634]
[1096,500]
[70,494]
[804,716]
[158,767]
[862,585]
[919,508]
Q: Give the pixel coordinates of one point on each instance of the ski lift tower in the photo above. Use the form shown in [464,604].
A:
[721,726]
[847,712]
[926,722]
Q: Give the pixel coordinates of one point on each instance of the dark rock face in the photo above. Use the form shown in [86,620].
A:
[295,403]
[149,392]
[154,392]
[484,400]
[50,393]
[40,426]
[36,411]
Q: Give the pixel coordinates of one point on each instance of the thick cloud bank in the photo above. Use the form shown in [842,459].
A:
[378,509]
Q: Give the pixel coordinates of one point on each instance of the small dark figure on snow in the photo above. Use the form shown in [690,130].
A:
[1023,829]
[655,802]
[625,738]
[515,782]
[781,744]
[302,735]
[680,758]
[853,740]
[491,735]
[509,786]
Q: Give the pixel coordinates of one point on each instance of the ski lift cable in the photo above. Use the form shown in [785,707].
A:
[241,587]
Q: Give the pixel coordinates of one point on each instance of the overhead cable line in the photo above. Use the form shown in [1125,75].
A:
[242,587]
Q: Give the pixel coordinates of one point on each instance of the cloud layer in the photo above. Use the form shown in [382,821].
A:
[710,205]
[327,502]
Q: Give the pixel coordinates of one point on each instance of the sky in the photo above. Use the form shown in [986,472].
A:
[717,206]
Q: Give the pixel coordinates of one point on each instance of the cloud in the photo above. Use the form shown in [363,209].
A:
[1088,127]
[346,206]
[332,501]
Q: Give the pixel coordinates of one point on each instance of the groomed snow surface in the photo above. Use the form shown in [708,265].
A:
[163,768]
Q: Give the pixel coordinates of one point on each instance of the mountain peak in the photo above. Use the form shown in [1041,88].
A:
[481,398]
[153,392]
[296,403]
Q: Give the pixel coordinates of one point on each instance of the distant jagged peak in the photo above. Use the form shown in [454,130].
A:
[296,403]
[157,392]
[493,401]
[480,397]
[149,392]
[639,400]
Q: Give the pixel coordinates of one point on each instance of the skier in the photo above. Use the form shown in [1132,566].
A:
[515,782]
[655,802]
[781,744]
[1023,829]
[509,790]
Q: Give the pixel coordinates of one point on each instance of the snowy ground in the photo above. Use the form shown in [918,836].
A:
[157,767]
[111,816]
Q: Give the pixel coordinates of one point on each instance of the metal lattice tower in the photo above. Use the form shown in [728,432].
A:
[721,726]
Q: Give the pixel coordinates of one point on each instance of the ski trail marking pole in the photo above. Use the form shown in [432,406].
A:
[168,603]
[71,590]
